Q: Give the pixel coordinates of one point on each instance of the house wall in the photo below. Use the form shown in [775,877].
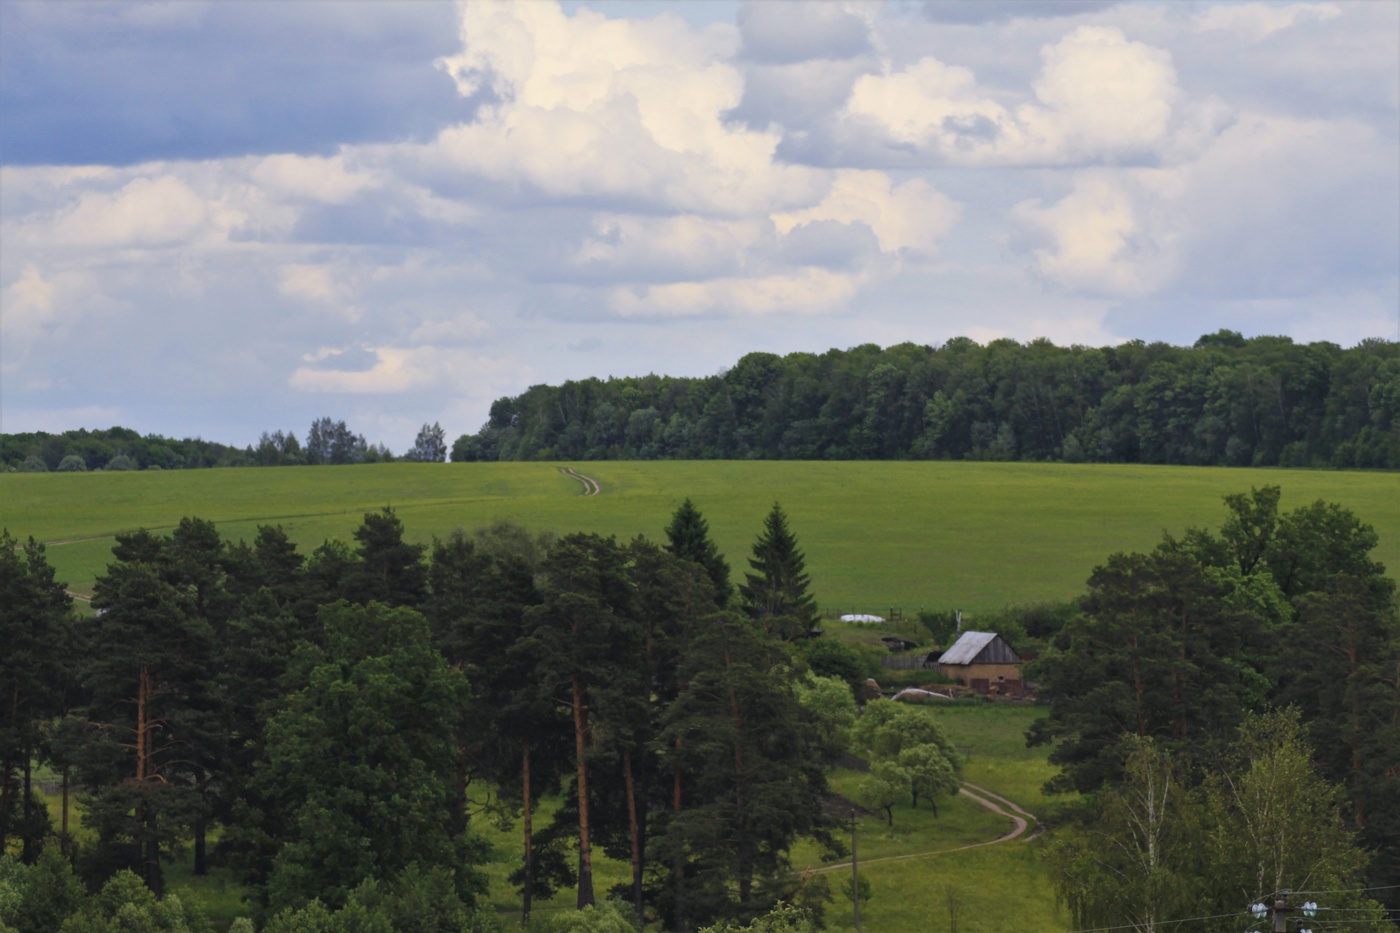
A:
[1007,675]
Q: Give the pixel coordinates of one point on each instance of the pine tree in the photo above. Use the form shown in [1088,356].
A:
[390,570]
[688,538]
[583,636]
[35,622]
[776,592]
[147,661]
[754,780]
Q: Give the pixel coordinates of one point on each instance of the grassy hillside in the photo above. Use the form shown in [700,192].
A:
[877,534]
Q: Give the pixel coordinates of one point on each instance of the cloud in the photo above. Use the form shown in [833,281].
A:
[314,178]
[912,216]
[412,369]
[121,83]
[628,111]
[650,248]
[1094,239]
[807,291]
[590,194]
[1257,21]
[783,33]
[460,327]
[971,12]
[1099,97]
[26,307]
[160,211]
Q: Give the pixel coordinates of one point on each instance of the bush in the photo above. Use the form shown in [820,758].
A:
[120,462]
[607,917]
[33,465]
[72,464]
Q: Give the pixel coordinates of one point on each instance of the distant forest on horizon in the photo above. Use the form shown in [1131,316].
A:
[1227,400]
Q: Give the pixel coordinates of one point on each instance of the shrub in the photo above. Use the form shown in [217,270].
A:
[33,465]
[72,464]
[120,462]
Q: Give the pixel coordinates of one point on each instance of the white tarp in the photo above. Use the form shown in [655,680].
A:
[861,617]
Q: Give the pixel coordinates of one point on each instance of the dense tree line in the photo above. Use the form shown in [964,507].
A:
[328,442]
[1173,655]
[342,717]
[1265,401]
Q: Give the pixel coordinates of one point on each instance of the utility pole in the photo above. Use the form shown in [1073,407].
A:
[1281,912]
[855,872]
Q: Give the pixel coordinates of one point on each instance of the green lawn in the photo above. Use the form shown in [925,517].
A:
[975,536]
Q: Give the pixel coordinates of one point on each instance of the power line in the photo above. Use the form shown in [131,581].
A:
[1134,926]
[1384,887]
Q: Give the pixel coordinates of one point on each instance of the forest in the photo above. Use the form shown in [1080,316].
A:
[1227,400]
[328,443]
[343,717]
[1224,711]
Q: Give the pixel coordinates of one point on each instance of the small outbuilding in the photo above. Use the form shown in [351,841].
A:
[985,662]
[895,643]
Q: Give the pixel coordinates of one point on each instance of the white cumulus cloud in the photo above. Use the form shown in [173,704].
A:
[1099,97]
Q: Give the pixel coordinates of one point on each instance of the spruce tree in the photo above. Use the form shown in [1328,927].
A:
[688,538]
[776,592]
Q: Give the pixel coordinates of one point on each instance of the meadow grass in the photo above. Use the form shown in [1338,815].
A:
[1002,887]
[975,536]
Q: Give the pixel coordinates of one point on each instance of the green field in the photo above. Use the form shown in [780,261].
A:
[976,536]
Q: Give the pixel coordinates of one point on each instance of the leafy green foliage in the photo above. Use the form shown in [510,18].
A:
[430,446]
[1156,848]
[830,707]
[359,759]
[1265,401]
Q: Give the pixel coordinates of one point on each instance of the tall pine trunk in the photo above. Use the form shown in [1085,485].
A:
[585,845]
[678,857]
[147,841]
[7,768]
[527,887]
[64,842]
[29,850]
[634,829]
[742,835]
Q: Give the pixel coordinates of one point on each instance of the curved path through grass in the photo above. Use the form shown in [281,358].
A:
[590,485]
[1020,822]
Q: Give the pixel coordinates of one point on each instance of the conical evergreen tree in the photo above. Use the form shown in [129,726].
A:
[776,592]
[688,538]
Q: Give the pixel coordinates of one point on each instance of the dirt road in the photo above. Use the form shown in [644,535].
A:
[590,485]
[1020,822]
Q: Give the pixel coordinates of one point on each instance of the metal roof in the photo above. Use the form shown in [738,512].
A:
[966,649]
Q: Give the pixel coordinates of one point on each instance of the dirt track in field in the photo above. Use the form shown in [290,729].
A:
[1020,822]
[590,485]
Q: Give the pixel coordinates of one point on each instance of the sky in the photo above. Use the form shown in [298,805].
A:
[222,218]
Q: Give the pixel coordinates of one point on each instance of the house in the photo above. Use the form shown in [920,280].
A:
[985,662]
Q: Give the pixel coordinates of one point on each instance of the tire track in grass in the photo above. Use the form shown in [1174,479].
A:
[590,485]
[1019,818]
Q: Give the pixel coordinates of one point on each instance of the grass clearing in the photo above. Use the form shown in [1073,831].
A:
[976,536]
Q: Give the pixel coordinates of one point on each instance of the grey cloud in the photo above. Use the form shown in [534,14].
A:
[830,244]
[970,12]
[782,33]
[798,95]
[117,83]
